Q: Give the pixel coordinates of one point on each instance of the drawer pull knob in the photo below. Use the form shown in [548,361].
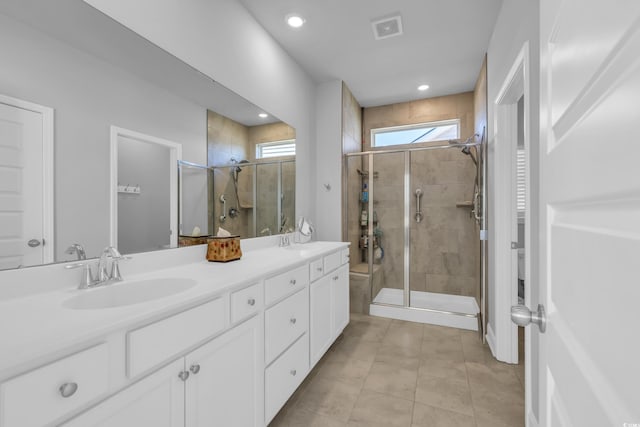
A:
[319,268]
[195,369]
[335,277]
[68,389]
[293,320]
[292,281]
[183,375]
[293,372]
[251,301]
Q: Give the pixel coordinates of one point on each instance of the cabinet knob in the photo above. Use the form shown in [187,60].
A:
[319,268]
[335,277]
[68,389]
[293,372]
[195,368]
[292,281]
[183,375]
[251,301]
[293,320]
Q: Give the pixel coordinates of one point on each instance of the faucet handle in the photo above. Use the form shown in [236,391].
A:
[115,267]
[87,279]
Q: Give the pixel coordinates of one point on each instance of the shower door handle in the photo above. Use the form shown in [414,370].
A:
[418,215]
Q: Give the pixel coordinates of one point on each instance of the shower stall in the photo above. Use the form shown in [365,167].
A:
[414,220]
[248,199]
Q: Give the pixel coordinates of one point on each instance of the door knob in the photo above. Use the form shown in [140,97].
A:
[522,316]
[34,243]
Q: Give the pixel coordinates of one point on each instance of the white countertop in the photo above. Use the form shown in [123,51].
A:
[37,325]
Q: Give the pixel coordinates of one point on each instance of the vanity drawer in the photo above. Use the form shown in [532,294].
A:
[38,397]
[285,322]
[283,284]
[332,261]
[153,344]
[316,269]
[344,254]
[246,302]
[285,375]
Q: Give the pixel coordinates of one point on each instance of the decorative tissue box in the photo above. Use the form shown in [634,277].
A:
[223,249]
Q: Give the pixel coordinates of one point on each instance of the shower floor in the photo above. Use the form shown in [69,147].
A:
[427,307]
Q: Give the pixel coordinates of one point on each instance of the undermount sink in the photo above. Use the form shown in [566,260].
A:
[128,293]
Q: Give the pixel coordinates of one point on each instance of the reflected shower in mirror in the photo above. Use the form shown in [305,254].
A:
[85,73]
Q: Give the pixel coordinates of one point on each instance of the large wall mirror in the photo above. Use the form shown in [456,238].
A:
[93,121]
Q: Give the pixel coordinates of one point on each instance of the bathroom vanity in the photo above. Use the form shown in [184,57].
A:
[194,344]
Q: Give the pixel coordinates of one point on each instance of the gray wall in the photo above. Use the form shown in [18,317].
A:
[89,95]
[143,219]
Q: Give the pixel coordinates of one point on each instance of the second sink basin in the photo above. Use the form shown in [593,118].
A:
[128,293]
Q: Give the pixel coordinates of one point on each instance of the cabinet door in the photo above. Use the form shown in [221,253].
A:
[340,296]
[320,316]
[226,385]
[157,400]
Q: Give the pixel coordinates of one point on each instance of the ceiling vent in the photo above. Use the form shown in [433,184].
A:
[384,28]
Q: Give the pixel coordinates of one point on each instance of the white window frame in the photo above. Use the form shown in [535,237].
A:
[449,122]
[259,147]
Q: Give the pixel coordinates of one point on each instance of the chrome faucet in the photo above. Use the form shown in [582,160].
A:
[78,249]
[104,277]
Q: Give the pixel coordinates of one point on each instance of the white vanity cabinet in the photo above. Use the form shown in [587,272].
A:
[225,383]
[230,357]
[219,383]
[157,400]
[329,302]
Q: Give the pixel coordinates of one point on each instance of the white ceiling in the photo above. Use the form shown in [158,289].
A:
[443,44]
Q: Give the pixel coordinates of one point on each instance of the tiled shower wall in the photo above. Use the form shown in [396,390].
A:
[227,139]
[444,246]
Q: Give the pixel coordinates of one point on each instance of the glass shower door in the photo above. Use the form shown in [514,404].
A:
[382,218]
[444,255]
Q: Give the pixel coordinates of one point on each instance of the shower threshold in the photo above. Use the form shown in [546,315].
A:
[456,311]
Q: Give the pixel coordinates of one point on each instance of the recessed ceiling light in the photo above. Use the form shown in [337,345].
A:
[294,20]
[423,87]
[263,115]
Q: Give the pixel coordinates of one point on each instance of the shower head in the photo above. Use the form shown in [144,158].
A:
[237,169]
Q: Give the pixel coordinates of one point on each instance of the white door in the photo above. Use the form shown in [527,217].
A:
[22,186]
[225,385]
[157,400]
[590,212]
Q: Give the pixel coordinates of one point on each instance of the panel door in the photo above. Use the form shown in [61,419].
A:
[340,300]
[590,206]
[21,187]
[320,317]
[226,383]
[157,400]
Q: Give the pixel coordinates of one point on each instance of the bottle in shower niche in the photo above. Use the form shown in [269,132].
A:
[364,218]
[365,193]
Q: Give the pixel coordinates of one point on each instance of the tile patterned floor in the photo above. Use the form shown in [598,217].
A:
[390,373]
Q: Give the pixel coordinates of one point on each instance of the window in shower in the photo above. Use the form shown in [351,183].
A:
[276,149]
[414,134]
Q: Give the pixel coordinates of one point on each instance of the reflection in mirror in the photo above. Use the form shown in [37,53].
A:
[245,199]
[253,190]
[91,73]
[145,211]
